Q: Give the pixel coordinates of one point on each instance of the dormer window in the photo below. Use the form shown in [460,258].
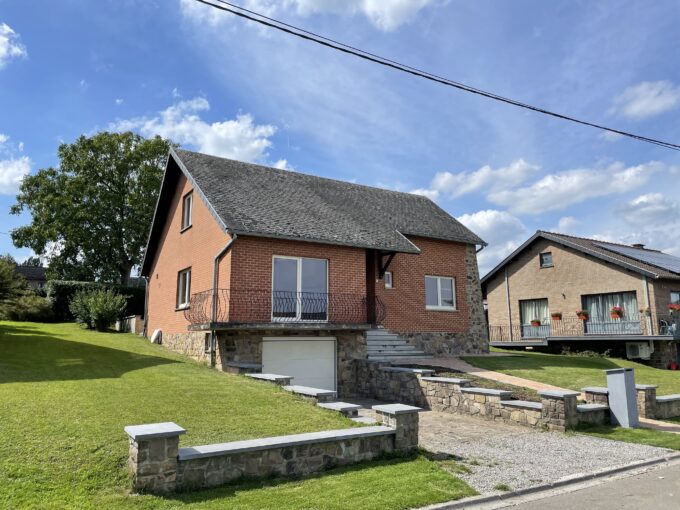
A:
[545,259]
[187,203]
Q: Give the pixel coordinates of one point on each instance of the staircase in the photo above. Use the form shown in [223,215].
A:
[384,345]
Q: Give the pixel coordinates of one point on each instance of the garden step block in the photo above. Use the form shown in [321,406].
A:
[349,410]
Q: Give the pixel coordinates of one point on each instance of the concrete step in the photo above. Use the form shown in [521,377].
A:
[396,341]
[405,347]
[401,354]
[379,332]
[396,358]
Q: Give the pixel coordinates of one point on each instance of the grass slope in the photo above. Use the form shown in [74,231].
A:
[575,372]
[67,393]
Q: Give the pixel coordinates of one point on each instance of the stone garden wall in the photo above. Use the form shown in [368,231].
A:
[556,411]
[158,465]
[648,403]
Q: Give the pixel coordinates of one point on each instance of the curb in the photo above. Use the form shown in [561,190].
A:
[475,501]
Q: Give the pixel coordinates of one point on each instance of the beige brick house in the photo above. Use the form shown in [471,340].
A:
[623,293]
[252,268]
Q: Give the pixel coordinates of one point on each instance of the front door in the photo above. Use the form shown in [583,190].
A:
[299,289]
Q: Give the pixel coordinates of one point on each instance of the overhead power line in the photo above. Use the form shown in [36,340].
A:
[256,17]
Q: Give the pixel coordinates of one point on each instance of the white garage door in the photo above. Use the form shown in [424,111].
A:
[311,361]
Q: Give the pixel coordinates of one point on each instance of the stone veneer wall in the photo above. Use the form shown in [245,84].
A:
[556,411]
[158,466]
[190,344]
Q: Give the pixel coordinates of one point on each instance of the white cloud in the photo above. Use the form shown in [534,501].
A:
[282,164]
[566,225]
[12,172]
[10,47]
[3,138]
[503,231]
[120,101]
[647,99]
[485,179]
[560,190]
[386,15]
[610,136]
[84,85]
[239,138]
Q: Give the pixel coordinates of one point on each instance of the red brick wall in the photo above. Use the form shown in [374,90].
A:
[251,268]
[405,302]
[195,248]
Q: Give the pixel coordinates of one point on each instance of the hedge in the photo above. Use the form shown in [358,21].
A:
[60,293]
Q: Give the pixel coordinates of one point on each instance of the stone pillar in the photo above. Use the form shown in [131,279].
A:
[404,419]
[646,400]
[559,409]
[153,456]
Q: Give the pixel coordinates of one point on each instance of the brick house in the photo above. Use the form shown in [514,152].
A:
[253,268]
[625,291]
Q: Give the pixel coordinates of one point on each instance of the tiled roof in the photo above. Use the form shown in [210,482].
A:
[594,248]
[256,200]
[31,272]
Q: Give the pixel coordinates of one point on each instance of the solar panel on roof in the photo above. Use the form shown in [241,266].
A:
[653,258]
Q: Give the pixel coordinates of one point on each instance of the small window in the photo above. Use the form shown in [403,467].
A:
[440,293]
[388,280]
[546,259]
[183,288]
[675,297]
[207,348]
[187,202]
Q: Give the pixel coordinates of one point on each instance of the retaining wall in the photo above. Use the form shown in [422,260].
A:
[648,403]
[158,465]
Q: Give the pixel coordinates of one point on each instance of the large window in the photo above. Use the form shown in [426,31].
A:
[299,289]
[675,297]
[440,293]
[187,203]
[599,307]
[183,288]
[535,318]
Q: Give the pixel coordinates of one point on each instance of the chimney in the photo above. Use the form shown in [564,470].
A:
[638,245]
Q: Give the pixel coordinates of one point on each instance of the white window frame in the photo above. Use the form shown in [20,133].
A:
[298,317]
[388,279]
[183,300]
[540,259]
[187,210]
[439,306]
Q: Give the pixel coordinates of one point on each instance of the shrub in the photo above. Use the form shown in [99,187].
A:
[98,308]
[61,293]
[29,307]
[80,309]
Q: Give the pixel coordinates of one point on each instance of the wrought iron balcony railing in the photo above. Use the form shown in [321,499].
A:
[253,306]
[662,325]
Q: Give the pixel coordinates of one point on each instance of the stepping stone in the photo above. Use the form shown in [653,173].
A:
[349,410]
[315,393]
[283,380]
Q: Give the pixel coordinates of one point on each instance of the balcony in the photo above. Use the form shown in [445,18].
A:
[654,325]
[243,308]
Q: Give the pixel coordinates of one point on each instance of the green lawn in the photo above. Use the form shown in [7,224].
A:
[641,436]
[575,372]
[67,393]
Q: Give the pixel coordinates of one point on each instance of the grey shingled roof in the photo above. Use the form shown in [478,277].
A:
[256,200]
[591,247]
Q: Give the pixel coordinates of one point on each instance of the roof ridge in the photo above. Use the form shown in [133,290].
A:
[305,174]
[599,241]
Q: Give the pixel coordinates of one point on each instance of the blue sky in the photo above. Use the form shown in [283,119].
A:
[217,84]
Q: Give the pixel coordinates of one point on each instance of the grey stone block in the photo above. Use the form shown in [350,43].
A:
[522,404]
[558,394]
[487,391]
[395,409]
[154,431]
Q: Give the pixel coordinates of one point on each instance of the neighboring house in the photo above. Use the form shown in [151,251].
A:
[34,275]
[625,292]
[253,268]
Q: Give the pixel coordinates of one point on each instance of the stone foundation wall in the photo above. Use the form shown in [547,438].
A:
[664,352]
[449,344]
[191,343]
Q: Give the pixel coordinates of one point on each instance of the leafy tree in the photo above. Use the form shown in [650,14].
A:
[91,215]
[12,285]
[8,258]
[32,262]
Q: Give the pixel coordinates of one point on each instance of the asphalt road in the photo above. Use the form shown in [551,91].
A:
[658,489]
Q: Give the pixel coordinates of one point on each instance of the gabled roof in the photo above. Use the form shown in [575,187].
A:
[32,273]
[255,200]
[636,261]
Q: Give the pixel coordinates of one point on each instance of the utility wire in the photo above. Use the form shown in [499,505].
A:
[256,17]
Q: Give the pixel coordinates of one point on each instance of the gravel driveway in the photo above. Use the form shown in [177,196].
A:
[519,457]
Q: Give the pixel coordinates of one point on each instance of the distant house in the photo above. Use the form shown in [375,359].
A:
[623,292]
[34,275]
[254,268]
